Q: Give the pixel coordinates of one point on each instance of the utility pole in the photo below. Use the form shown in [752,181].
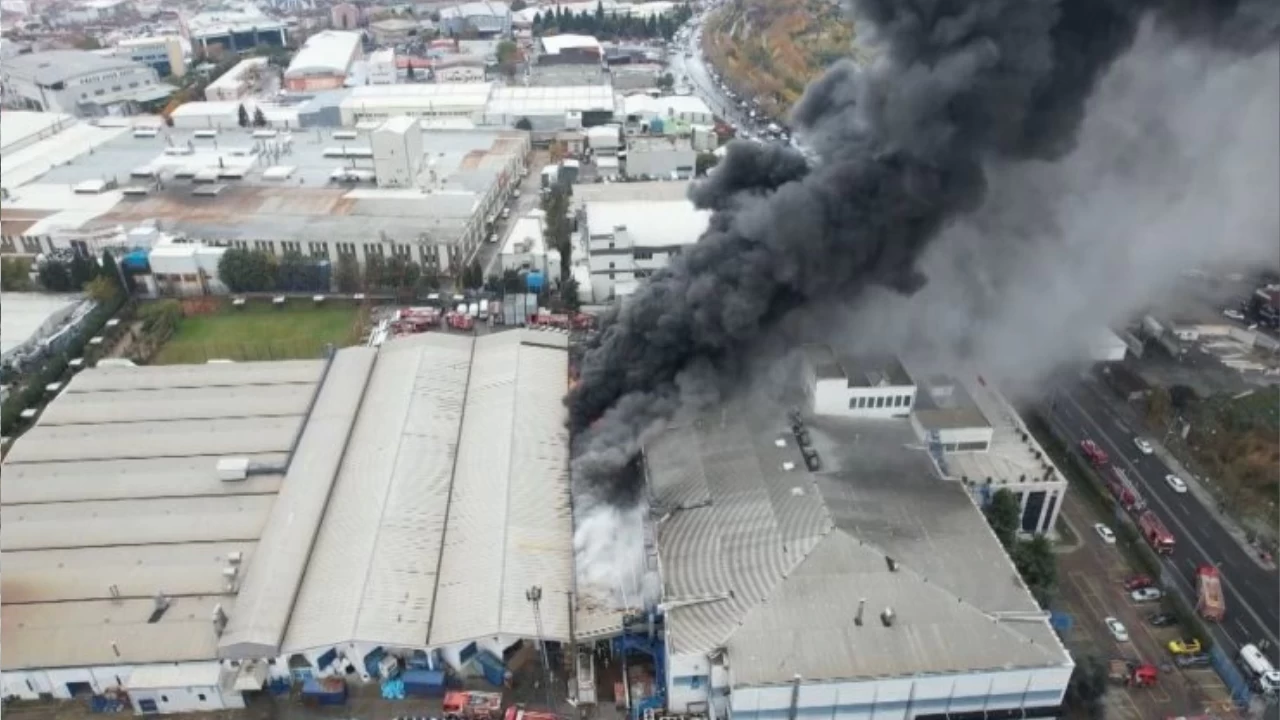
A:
[534,596]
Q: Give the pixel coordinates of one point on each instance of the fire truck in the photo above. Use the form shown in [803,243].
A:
[1156,534]
[1209,600]
[1096,455]
[1123,490]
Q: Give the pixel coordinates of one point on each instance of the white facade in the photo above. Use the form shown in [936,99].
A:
[236,82]
[833,390]
[661,158]
[459,73]
[397,152]
[423,100]
[625,241]
[525,247]
[186,269]
[324,61]
[382,67]
[604,139]
[223,114]
[163,54]
[78,83]
[684,108]
[180,688]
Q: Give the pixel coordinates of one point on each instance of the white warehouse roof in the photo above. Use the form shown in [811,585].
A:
[327,52]
[438,97]
[555,44]
[451,501]
[550,100]
[665,106]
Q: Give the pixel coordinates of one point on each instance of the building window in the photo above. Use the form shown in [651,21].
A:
[880,401]
[266,246]
[610,266]
[644,254]
[902,401]
[288,246]
[31,244]
[371,249]
[402,251]
[201,696]
[164,698]
[240,244]
[319,249]
[972,446]
[190,278]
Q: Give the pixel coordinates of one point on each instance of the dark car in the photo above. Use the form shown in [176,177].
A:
[1162,619]
[1196,660]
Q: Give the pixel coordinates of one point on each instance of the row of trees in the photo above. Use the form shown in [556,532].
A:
[558,231]
[100,280]
[258,271]
[258,119]
[612,26]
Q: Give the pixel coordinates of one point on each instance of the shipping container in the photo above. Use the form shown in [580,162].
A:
[423,683]
[492,668]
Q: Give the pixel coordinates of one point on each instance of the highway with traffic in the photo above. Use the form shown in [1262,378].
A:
[1079,411]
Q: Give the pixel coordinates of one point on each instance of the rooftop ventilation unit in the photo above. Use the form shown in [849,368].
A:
[887,617]
[136,191]
[261,134]
[205,134]
[145,132]
[235,557]
[179,150]
[233,469]
[90,187]
[345,134]
[208,190]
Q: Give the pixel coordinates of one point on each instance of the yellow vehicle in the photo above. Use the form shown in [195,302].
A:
[1184,647]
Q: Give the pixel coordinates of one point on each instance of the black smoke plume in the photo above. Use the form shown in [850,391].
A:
[958,86]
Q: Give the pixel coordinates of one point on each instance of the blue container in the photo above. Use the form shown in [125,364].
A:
[372,660]
[533,281]
[494,671]
[423,683]
[329,691]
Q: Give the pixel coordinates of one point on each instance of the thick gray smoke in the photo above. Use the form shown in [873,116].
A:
[962,96]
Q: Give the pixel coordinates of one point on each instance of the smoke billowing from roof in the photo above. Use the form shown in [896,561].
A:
[960,89]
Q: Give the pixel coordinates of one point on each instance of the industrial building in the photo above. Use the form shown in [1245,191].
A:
[820,565]
[552,108]
[627,231]
[79,83]
[324,62]
[211,527]
[381,67]
[569,49]
[323,193]
[163,54]
[241,80]
[233,30]
[642,109]
[525,247]
[488,18]
[669,156]
[423,101]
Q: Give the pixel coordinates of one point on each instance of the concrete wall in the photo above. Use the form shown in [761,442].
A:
[185,699]
[833,396]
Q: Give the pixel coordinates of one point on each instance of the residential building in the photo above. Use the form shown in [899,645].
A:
[344,16]
[163,53]
[627,231]
[324,61]
[660,157]
[79,83]
[487,18]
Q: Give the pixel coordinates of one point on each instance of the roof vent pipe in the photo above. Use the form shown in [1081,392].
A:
[887,617]
[857,619]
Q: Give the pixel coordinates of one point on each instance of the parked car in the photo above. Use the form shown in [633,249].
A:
[1184,647]
[1194,660]
[1234,314]
[1117,629]
[1176,483]
[1143,445]
[1104,532]
[1148,594]
[1137,582]
[1162,619]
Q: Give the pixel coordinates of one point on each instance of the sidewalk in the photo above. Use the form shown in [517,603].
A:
[1195,485]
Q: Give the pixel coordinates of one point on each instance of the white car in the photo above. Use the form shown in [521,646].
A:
[1176,483]
[1234,315]
[1117,629]
[1146,594]
[1104,532]
[1143,445]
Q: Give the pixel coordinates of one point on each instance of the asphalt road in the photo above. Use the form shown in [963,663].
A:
[701,82]
[1252,593]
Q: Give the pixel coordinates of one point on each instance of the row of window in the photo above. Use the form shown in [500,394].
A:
[428,254]
[966,446]
[30,244]
[879,401]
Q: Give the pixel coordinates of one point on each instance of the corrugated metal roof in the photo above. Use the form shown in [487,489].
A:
[133,522]
[125,479]
[91,573]
[509,526]
[371,576]
[170,438]
[157,377]
[271,584]
[179,404]
[81,634]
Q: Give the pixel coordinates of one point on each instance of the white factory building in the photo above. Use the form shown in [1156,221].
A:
[79,83]
[668,157]
[405,498]
[525,247]
[374,103]
[626,231]
[681,109]
[324,62]
[236,83]
[973,434]
[233,30]
[859,583]
[322,193]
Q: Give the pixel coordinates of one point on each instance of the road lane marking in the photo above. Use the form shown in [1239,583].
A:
[1238,598]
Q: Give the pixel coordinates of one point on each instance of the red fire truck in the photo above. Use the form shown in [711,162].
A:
[1123,490]
[1209,600]
[1156,534]
[1096,455]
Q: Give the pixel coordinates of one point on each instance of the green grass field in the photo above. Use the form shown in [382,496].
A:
[259,331]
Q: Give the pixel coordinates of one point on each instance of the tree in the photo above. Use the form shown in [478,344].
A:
[244,116]
[666,81]
[508,57]
[559,226]
[1038,567]
[55,276]
[1159,402]
[375,272]
[1004,514]
[297,273]
[15,274]
[111,271]
[518,5]
[569,294]
[102,290]
[259,118]
[513,281]
[1088,684]
[704,162]
[408,72]
[402,274]
[524,124]
[247,270]
[347,274]
[473,275]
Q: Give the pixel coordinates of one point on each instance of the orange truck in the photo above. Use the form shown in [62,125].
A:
[1209,600]
[471,705]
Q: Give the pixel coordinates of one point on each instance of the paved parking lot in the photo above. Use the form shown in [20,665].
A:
[1091,578]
